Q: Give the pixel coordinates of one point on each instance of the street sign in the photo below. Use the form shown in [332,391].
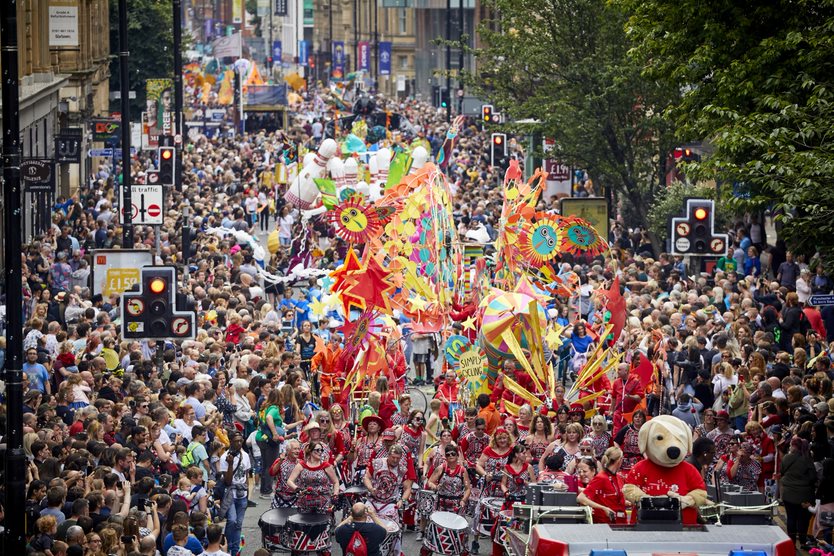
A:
[821,300]
[37,174]
[135,307]
[146,208]
[152,177]
[682,245]
[68,148]
[718,246]
[682,228]
[694,233]
[110,153]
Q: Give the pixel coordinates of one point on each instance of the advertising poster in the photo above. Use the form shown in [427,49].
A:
[364,56]
[338,59]
[159,99]
[384,58]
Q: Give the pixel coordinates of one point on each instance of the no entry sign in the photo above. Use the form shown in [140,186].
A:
[146,201]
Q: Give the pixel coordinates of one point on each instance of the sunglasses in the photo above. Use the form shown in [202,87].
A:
[319,450]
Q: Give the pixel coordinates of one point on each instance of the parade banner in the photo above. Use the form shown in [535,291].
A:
[277,52]
[364,55]
[273,95]
[338,67]
[385,58]
[228,47]
[303,53]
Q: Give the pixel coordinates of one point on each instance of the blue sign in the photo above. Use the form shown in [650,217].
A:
[302,53]
[821,300]
[338,69]
[385,58]
[115,153]
[276,51]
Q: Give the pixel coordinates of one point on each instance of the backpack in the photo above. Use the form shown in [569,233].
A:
[187,459]
[356,545]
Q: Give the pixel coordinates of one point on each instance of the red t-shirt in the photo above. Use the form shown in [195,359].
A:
[607,490]
[656,480]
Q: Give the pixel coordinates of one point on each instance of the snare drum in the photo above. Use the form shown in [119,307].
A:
[308,532]
[446,534]
[273,524]
[506,520]
[490,508]
[393,538]
[426,502]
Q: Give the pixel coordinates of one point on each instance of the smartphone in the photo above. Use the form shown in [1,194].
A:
[127,539]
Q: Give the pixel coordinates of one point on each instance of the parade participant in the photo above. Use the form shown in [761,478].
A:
[312,433]
[511,428]
[474,443]
[600,437]
[604,493]
[627,440]
[326,365]
[586,450]
[447,393]
[742,469]
[437,454]
[282,469]
[368,446]
[342,428]
[553,475]
[491,462]
[314,481]
[468,425]
[541,435]
[397,364]
[334,439]
[451,482]
[413,439]
[518,473]
[722,434]
[577,415]
[627,393]
[488,412]
[586,470]
[387,407]
[567,447]
[524,420]
[389,484]
[400,418]
[764,451]
[702,457]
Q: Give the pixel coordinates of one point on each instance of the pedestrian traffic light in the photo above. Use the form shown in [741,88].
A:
[486,113]
[150,311]
[498,149]
[167,164]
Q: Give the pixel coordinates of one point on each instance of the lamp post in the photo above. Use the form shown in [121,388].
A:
[124,86]
[448,62]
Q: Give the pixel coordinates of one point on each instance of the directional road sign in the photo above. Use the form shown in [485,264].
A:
[820,300]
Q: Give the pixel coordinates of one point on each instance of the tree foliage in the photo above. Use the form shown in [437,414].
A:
[150,39]
[758,84]
[566,64]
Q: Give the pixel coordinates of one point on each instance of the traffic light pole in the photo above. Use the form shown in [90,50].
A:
[124,87]
[448,62]
[13,541]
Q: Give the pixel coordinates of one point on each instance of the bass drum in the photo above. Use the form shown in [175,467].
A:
[309,533]
[273,525]
[393,538]
[446,535]
[490,509]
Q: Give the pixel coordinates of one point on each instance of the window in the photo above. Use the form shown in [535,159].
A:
[402,21]
[402,62]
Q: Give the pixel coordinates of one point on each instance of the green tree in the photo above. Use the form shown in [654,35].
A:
[150,39]
[566,64]
[758,84]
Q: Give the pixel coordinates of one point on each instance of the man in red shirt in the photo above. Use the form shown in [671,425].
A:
[627,393]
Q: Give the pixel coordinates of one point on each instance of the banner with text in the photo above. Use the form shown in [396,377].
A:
[364,55]
[303,52]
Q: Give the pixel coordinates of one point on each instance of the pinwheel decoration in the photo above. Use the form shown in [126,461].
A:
[356,222]
[540,242]
[579,237]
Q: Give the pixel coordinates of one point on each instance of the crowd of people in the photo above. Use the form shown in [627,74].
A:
[130,454]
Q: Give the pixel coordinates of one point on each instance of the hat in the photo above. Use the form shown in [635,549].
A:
[722,415]
[577,408]
[586,442]
[389,435]
[373,419]
[312,425]
[60,296]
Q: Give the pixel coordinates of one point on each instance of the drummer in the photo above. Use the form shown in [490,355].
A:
[368,447]
[491,462]
[468,425]
[312,433]
[389,485]
[314,480]
[282,469]
[451,482]
[413,438]
[474,443]
[518,473]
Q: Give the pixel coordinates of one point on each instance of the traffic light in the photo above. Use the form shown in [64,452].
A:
[498,149]
[685,154]
[151,312]
[694,233]
[167,163]
[486,113]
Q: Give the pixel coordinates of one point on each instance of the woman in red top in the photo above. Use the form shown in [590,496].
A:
[541,435]
[764,451]
[518,473]
[605,491]
[491,462]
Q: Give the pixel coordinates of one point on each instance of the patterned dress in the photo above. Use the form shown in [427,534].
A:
[366,451]
[537,446]
[410,441]
[388,485]
[473,446]
[601,443]
[494,464]
[283,498]
[516,483]
[450,487]
[398,419]
[631,448]
[314,488]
